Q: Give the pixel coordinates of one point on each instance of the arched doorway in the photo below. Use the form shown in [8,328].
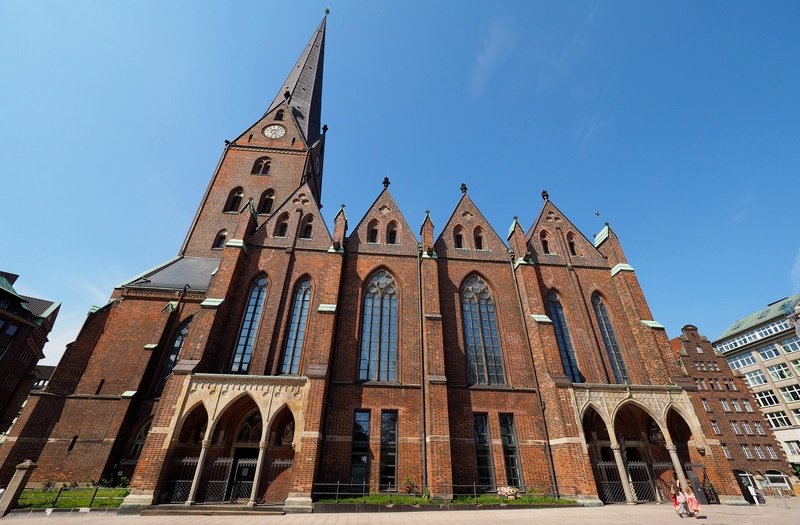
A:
[184,457]
[642,446]
[279,458]
[689,455]
[610,487]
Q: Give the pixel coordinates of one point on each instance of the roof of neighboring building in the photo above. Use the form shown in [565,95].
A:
[40,307]
[771,312]
[177,273]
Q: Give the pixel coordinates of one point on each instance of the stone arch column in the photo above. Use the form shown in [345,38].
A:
[262,447]
[199,469]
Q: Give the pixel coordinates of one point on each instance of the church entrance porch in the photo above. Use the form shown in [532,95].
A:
[237,442]
[636,439]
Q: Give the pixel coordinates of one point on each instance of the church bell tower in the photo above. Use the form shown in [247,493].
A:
[270,160]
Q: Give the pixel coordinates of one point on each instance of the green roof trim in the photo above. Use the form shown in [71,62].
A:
[621,267]
[541,319]
[767,315]
[652,324]
[600,237]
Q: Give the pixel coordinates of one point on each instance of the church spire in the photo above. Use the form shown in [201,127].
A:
[302,90]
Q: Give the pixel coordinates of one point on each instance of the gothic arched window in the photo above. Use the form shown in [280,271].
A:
[234,201]
[458,237]
[266,202]
[297,328]
[545,243]
[307,228]
[174,354]
[391,233]
[247,334]
[609,340]
[571,244]
[563,339]
[279,115]
[251,429]
[282,226]
[478,238]
[372,231]
[261,166]
[138,442]
[484,355]
[379,329]
[219,240]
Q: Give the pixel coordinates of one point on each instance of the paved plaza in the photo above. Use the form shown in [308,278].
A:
[774,513]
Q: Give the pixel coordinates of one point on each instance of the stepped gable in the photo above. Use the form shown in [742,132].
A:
[288,225]
[554,240]
[383,229]
[468,235]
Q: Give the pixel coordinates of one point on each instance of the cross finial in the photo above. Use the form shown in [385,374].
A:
[545,195]
[463,188]
[386,182]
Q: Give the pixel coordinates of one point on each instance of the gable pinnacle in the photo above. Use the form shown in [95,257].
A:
[463,188]
[386,182]
[545,195]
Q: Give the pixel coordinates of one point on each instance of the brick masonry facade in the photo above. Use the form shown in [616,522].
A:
[394,370]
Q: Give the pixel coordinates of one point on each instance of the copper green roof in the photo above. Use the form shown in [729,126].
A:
[769,313]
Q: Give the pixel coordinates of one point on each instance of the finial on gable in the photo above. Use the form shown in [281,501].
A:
[386,182]
[545,195]
[463,188]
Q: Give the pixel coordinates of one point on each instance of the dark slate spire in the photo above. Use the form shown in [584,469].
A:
[303,88]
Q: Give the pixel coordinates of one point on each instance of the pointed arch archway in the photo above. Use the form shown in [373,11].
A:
[281,442]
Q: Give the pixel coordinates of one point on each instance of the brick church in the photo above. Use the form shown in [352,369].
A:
[275,360]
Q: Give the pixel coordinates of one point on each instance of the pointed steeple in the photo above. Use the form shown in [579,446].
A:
[302,90]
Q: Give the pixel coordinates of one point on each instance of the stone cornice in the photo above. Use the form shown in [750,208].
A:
[241,147]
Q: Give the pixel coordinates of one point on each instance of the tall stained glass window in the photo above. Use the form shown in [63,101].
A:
[297,328]
[379,329]
[562,337]
[484,355]
[610,341]
[247,334]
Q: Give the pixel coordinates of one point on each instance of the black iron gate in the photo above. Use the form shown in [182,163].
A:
[215,480]
[244,474]
[179,480]
[609,484]
[641,476]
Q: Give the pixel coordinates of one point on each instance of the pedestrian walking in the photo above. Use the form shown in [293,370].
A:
[692,503]
[682,509]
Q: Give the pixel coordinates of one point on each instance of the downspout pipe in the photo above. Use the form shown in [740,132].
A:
[424,371]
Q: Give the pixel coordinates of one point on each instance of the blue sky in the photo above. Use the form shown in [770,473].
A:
[676,120]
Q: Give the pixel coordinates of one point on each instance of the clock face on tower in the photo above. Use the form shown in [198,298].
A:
[274,131]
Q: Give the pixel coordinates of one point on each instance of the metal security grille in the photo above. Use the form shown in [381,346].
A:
[610,484]
[179,482]
[243,479]
[662,473]
[215,480]
[642,481]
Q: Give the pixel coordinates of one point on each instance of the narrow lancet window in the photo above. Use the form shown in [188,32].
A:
[247,335]
[610,340]
[568,360]
[297,329]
